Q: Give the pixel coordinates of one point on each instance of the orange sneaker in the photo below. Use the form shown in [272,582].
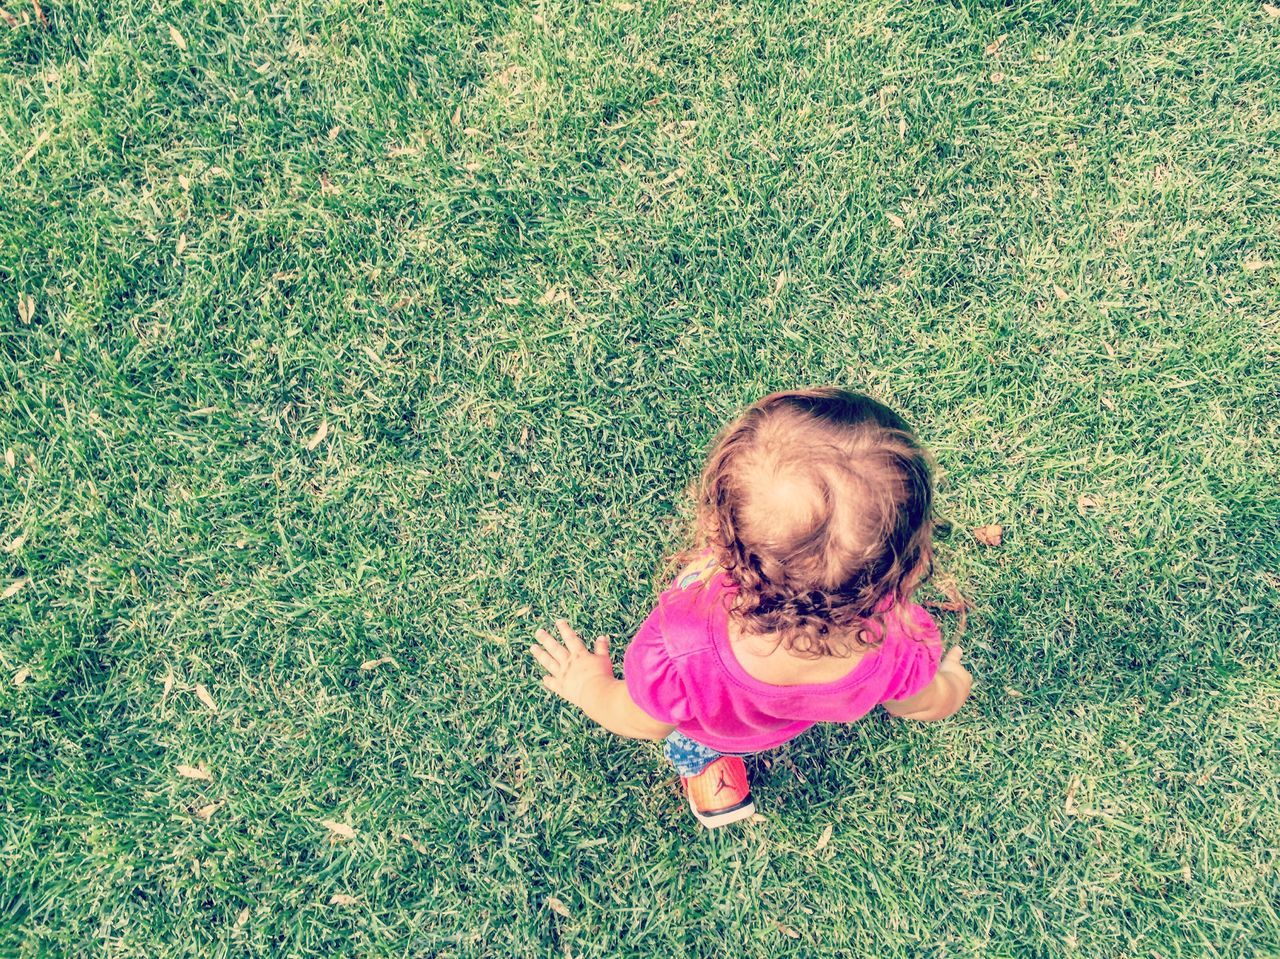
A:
[720,794]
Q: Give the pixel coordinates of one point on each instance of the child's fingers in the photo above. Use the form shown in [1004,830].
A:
[571,639]
[552,648]
[953,655]
[544,659]
[602,646]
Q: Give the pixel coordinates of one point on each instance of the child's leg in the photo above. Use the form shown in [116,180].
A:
[689,757]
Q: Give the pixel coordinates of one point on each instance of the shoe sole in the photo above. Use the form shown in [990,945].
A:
[723,817]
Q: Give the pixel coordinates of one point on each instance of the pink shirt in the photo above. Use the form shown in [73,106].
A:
[681,670]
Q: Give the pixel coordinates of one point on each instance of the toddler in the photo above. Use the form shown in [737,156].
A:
[813,529]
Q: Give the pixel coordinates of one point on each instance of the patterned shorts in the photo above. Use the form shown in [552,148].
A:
[688,756]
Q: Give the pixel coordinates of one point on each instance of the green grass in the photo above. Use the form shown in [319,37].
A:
[543,274]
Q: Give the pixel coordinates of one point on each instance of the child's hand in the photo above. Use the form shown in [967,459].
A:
[942,697]
[960,677]
[572,669]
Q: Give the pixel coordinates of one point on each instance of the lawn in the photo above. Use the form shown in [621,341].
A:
[343,344]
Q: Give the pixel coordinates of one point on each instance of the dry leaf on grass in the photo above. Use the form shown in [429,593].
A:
[786,930]
[9,459]
[369,664]
[780,281]
[15,544]
[1069,800]
[902,128]
[184,182]
[1060,293]
[9,18]
[417,846]
[551,296]
[41,138]
[955,602]
[205,813]
[824,838]
[1271,10]
[1086,502]
[1254,263]
[338,830]
[178,39]
[342,899]
[203,694]
[990,535]
[558,907]
[26,307]
[896,220]
[13,587]
[21,676]
[318,437]
[997,77]
[994,46]
[194,772]
[180,247]
[242,917]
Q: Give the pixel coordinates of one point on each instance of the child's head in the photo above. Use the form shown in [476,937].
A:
[818,503]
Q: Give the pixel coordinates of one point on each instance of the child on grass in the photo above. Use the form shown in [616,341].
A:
[814,528]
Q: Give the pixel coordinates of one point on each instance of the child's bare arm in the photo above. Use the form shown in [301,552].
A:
[586,679]
[942,697]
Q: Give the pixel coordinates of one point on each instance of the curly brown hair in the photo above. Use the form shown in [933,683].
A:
[818,503]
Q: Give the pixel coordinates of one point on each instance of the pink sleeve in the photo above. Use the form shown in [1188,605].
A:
[919,652]
[651,677]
